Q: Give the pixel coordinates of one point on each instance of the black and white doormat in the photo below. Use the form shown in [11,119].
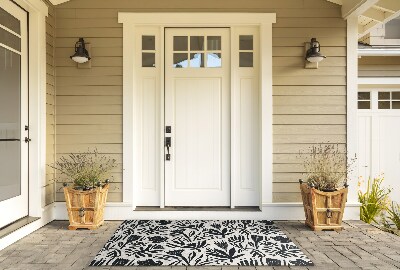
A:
[199,242]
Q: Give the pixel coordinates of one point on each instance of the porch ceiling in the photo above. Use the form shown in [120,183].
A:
[371,13]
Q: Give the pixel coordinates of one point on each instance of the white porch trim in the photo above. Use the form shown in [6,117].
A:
[131,119]
[378,80]
[270,211]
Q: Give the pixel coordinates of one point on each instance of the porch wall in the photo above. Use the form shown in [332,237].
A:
[379,66]
[49,186]
[309,104]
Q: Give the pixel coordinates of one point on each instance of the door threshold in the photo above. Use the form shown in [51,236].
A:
[205,208]
[8,229]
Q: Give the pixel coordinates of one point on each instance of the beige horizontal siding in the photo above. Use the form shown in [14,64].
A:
[309,104]
[379,66]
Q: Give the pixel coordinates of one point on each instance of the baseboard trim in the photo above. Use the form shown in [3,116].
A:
[270,211]
[47,216]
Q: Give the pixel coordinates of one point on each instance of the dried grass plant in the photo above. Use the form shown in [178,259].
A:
[85,169]
[326,167]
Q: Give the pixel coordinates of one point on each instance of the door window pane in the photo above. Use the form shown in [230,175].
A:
[246,42]
[148,59]
[148,43]
[197,60]
[214,60]
[10,123]
[384,95]
[364,95]
[245,59]
[396,95]
[196,43]
[180,60]
[384,105]
[396,105]
[9,21]
[214,43]
[180,43]
[10,40]
[364,105]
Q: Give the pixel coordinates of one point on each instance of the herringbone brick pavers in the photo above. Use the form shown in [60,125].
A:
[358,246]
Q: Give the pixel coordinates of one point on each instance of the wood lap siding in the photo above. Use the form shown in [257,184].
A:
[379,66]
[309,104]
[50,105]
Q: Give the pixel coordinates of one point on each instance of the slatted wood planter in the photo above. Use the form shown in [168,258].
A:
[323,210]
[86,208]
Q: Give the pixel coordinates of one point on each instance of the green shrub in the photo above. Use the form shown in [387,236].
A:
[393,214]
[374,200]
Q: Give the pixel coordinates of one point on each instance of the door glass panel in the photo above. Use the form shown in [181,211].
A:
[10,40]
[196,43]
[396,105]
[9,21]
[214,60]
[396,95]
[364,95]
[383,105]
[214,43]
[10,123]
[148,43]
[197,60]
[180,43]
[245,59]
[148,59]
[246,42]
[364,105]
[384,95]
[180,60]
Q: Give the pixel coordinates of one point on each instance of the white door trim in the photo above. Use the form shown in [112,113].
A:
[131,119]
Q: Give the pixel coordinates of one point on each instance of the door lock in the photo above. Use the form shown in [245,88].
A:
[168,145]
[27,140]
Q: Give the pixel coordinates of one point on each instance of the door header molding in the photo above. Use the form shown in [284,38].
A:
[205,19]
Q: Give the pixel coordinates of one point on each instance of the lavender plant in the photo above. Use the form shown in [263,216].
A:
[326,167]
[85,169]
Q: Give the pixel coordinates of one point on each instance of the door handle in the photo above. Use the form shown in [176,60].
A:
[27,139]
[168,145]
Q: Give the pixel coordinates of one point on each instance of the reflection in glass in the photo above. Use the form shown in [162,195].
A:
[364,105]
[245,42]
[384,95]
[197,60]
[245,59]
[214,43]
[10,40]
[180,60]
[9,21]
[384,105]
[180,43]
[396,105]
[214,60]
[148,59]
[148,43]
[364,95]
[10,123]
[396,95]
[197,43]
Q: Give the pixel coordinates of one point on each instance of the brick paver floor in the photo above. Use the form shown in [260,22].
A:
[358,246]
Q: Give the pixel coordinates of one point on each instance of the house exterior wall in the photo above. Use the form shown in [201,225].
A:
[379,66]
[309,104]
[49,186]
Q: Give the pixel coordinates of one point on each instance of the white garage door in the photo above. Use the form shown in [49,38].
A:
[379,136]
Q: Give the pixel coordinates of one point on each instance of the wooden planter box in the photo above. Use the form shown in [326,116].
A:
[323,210]
[86,208]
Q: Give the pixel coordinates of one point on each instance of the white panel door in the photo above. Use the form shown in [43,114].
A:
[13,113]
[197,108]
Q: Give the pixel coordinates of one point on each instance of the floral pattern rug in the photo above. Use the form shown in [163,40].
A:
[201,243]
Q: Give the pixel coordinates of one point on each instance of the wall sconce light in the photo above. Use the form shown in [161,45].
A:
[81,54]
[313,55]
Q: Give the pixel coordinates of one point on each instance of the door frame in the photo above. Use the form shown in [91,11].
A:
[37,13]
[132,118]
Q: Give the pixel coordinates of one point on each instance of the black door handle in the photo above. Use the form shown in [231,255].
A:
[27,139]
[168,145]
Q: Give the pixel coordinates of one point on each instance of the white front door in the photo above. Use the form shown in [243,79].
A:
[379,133]
[13,113]
[197,110]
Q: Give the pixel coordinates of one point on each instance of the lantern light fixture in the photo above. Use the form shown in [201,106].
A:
[313,54]
[81,54]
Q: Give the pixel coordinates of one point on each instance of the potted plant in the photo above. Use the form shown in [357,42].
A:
[87,196]
[324,192]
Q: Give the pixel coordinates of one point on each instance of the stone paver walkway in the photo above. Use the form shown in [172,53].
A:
[358,246]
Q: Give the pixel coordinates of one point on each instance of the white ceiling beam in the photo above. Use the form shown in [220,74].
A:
[356,7]
[375,14]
